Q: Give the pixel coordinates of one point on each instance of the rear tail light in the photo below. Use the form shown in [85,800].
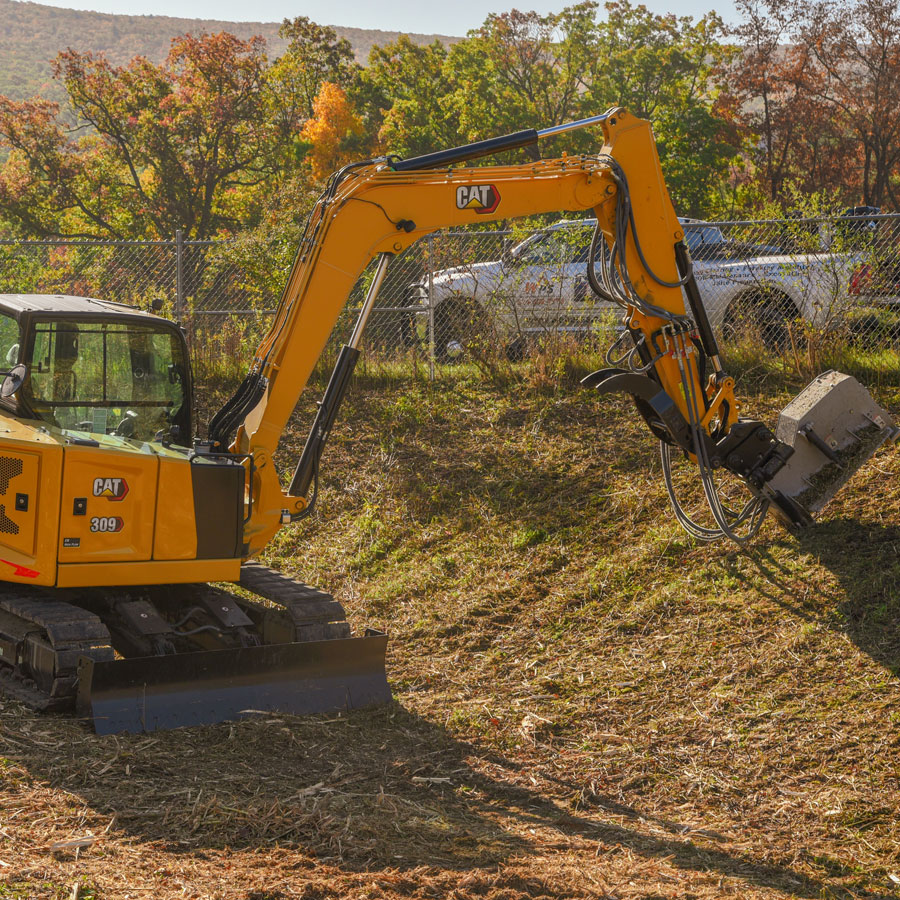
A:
[860,279]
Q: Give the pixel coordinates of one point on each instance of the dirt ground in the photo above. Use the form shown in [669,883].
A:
[587,704]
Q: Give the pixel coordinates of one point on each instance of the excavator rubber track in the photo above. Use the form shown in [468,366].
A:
[167,656]
[42,640]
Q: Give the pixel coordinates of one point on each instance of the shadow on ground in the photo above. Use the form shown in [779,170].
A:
[386,789]
[865,560]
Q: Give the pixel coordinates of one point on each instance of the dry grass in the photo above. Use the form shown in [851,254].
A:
[587,704]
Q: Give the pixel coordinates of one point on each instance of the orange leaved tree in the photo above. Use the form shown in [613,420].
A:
[335,133]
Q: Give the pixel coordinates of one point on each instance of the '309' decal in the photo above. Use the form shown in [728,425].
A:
[107,523]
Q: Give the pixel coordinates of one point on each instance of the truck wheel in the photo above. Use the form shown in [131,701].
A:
[459,324]
[760,315]
[517,349]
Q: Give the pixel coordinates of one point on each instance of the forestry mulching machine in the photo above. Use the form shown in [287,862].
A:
[118,529]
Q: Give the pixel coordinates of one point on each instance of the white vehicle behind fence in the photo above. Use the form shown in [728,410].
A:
[540,286]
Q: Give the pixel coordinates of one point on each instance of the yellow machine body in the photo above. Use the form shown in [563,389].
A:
[114,514]
[109,541]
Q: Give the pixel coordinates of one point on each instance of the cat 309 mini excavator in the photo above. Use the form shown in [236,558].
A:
[117,529]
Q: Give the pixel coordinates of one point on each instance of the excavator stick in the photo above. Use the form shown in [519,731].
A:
[833,427]
[203,688]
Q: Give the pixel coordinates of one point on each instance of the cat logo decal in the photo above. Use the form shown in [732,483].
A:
[483,198]
[111,488]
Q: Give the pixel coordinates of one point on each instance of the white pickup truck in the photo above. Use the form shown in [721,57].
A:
[540,286]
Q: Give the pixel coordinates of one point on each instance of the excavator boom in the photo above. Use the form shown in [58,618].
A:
[638,260]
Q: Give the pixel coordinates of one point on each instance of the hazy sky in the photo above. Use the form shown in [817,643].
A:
[429,17]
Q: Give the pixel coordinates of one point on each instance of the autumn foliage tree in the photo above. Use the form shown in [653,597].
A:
[808,96]
[333,133]
[153,147]
[819,90]
[856,48]
[314,55]
[791,135]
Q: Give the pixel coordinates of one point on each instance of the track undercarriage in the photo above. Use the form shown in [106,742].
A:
[138,659]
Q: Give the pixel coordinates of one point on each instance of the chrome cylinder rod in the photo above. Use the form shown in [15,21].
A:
[369,303]
[572,126]
[307,469]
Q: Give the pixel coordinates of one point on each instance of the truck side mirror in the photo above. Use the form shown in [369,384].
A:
[14,379]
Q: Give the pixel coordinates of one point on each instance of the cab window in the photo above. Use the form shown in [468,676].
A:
[9,342]
[108,378]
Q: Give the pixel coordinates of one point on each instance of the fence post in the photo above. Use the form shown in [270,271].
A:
[179,275]
[430,307]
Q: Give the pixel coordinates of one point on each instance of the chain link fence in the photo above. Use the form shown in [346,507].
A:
[808,292]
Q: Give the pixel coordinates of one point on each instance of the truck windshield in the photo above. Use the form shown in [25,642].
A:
[555,246]
[107,378]
[700,236]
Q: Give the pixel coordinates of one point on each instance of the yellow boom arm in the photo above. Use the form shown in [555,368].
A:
[376,210]
[379,208]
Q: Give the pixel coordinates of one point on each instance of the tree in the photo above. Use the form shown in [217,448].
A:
[334,133]
[760,81]
[794,141]
[524,70]
[314,55]
[403,97]
[670,70]
[857,50]
[154,148]
[818,92]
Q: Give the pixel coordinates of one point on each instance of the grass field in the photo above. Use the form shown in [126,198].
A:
[587,704]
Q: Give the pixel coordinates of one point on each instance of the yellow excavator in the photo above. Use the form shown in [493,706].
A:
[118,529]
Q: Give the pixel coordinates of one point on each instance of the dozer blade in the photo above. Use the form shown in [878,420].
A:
[834,426]
[205,687]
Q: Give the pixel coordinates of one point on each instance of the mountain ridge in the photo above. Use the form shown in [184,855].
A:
[31,34]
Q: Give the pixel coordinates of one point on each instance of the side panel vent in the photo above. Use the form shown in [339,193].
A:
[10,467]
[19,480]
[7,526]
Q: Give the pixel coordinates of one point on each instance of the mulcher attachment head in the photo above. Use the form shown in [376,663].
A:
[833,426]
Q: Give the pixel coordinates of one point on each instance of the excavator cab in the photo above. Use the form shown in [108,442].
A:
[98,368]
